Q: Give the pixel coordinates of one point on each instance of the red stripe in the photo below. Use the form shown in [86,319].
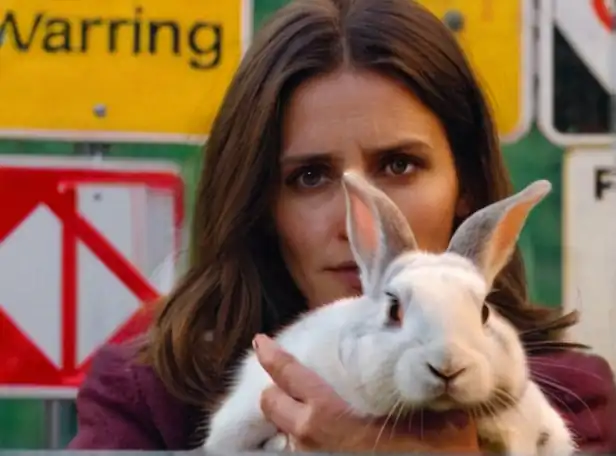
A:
[104,250]
[603,13]
[156,179]
[69,286]
[178,206]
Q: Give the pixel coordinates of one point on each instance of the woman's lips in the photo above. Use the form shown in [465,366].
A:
[349,276]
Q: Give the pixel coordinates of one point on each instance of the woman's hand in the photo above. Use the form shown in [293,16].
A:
[315,418]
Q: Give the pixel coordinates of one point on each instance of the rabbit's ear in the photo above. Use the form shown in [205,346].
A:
[377,230]
[488,237]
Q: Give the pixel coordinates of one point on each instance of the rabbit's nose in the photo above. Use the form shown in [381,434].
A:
[447,375]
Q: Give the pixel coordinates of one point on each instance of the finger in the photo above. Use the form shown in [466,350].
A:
[281,409]
[289,374]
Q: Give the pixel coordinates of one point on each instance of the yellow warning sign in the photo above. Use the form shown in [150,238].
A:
[496,35]
[143,70]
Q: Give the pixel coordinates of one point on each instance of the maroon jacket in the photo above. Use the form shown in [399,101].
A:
[125,406]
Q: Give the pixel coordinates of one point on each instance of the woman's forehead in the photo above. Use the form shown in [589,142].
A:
[335,112]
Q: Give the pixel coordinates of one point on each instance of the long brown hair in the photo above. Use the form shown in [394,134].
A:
[236,284]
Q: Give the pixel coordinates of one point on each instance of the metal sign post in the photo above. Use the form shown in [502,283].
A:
[53,424]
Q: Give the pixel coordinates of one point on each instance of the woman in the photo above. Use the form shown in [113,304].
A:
[379,86]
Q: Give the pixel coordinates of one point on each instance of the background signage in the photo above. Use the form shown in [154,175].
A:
[589,257]
[117,70]
[575,71]
[497,37]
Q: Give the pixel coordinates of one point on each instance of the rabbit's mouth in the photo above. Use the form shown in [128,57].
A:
[498,400]
[450,399]
[445,401]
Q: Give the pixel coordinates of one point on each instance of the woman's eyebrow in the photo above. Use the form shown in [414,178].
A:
[303,158]
[294,158]
[403,144]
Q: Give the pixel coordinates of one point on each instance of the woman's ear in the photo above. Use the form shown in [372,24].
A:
[463,206]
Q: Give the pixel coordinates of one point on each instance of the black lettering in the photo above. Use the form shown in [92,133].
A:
[212,50]
[605,179]
[57,36]
[174,29]
[10,23]
[114,25]
[86,25]
[137,31]
[202,41]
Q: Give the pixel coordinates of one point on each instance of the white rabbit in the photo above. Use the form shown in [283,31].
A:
[421,334]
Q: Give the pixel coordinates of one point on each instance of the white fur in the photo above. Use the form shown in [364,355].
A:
[372,364]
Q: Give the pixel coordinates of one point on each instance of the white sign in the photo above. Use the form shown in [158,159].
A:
[589,246]
[585,24]
[84,246]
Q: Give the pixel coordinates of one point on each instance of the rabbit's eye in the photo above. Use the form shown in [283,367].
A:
[395,310]
[485,314]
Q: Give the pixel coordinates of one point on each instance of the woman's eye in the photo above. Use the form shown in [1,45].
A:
[310,178]
[399,166]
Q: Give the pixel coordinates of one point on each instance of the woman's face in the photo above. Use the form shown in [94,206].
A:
[369,123]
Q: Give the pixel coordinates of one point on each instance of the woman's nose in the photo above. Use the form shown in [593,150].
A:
[340,214]
[340,205]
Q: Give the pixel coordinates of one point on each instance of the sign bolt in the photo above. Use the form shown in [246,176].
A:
[454,20]
[100,110]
